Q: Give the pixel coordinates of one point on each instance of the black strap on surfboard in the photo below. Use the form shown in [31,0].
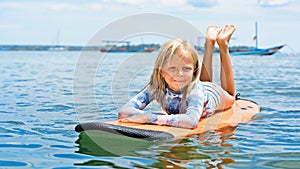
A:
[126,131]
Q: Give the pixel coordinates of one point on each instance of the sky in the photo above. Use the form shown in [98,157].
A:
[75,22]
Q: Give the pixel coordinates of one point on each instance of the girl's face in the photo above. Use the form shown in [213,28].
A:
[178,72]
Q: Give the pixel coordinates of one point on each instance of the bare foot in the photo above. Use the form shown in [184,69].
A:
[226,35]
[212,33]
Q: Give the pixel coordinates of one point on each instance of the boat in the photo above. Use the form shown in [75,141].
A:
[246,50]
[255,51]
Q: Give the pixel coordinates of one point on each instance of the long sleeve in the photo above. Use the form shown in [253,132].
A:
[136,105]
[193,113]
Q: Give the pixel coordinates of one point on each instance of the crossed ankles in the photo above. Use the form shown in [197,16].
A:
[224,38]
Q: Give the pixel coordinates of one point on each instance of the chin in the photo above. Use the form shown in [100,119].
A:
[177,88]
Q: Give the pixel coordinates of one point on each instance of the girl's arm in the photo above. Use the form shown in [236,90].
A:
[135,106]
[193,113]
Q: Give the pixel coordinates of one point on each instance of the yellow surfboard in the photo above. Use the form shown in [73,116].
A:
[242,111]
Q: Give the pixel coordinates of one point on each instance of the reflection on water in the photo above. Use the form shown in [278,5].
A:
[199,150]
[100,143]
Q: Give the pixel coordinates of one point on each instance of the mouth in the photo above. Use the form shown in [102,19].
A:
[179,81]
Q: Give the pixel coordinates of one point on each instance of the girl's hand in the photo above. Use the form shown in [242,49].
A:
[136,119]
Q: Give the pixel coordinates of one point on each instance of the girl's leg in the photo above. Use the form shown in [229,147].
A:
[206,69]
[227,77]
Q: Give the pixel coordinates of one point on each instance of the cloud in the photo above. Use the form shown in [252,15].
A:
[202,3]
[63,6]
[148,5]
[131,2]
[111,5]
[273,3]
[13,27]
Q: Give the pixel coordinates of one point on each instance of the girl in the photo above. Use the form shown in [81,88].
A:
[175,84]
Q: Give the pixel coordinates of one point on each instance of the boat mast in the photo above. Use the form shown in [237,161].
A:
[57,37]
[256,35]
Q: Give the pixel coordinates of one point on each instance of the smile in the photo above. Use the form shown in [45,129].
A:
[179,81]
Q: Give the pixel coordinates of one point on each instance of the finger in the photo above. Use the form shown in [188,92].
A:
[123,120]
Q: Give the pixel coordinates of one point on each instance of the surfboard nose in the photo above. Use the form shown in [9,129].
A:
[125,131]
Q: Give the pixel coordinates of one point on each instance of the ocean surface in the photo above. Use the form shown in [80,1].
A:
[44,95]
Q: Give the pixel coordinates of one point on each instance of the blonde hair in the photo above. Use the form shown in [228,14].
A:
[167,51]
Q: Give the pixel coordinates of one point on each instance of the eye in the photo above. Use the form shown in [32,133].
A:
[172,69]
[186,69]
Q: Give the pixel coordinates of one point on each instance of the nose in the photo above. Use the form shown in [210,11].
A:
[179,72]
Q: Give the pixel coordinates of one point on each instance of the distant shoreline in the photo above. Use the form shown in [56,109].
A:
[48,48]
[66,47]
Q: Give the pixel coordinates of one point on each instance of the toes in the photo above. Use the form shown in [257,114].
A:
[213,31]
[230,28]
[218,29]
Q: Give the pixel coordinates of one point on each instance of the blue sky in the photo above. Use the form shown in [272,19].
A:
[76,21]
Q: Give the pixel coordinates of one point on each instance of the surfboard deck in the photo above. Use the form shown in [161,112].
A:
[242,111]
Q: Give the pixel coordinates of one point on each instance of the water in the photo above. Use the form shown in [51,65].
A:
[45,94]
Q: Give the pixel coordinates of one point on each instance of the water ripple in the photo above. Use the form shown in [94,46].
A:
[6,163]
[26,146]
